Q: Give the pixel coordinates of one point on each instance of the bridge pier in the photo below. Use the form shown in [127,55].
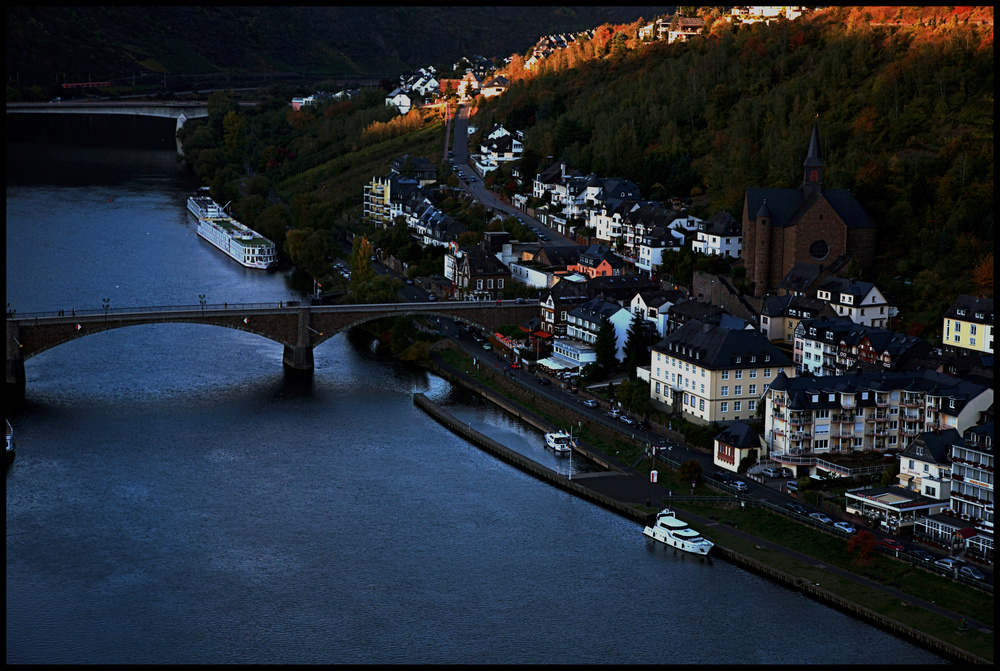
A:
[15,361]
[300,356]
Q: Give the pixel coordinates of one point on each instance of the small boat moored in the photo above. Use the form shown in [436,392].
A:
[10,442]
[674,532]
[559,441]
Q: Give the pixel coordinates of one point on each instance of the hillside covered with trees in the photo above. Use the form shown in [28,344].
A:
[904,101]
[48,45]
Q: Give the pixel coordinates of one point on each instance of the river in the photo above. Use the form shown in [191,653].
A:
[176,498]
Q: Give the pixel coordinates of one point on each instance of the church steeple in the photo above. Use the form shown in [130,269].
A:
[812,167]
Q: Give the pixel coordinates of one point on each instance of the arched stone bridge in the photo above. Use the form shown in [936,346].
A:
[299,328]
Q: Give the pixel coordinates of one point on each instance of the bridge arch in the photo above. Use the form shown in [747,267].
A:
[298,328]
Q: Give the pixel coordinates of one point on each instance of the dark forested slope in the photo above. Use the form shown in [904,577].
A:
[77,43]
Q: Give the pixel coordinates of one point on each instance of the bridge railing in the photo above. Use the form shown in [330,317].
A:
[236,307]
[13,314]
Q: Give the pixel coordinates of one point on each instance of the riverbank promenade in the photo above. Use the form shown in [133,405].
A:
[630,488]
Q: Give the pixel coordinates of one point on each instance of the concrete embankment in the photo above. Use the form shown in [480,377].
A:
[842,604]
[561,481]
[522,462]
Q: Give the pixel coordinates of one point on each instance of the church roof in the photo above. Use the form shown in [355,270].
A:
[787,206]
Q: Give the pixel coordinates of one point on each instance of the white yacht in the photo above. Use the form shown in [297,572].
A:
[676,533]
[561,442]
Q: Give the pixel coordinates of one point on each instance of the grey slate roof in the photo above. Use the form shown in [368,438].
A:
[591,312]
[932,446]
[740,436]
[971,305]
[722,224]
[788,205]
[715,347]
[929,382]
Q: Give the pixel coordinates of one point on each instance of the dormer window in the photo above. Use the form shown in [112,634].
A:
[960,313]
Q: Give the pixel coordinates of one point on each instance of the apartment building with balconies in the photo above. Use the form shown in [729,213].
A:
[967,525]
[808,417]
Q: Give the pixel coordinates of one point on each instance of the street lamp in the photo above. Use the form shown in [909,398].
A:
[201,299]
[106,302]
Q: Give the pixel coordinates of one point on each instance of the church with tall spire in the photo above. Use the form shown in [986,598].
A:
[811,224]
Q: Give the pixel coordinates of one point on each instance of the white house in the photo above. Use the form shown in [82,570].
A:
[400,100]
[722,235]
[584,323]
[861,301]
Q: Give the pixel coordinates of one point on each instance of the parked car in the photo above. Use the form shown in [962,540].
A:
[515,365]
[893,544]
[786,472]
[519,301]
[590,403]
[642,425]
[922,555]
[792,486]
[772,472]
[625,419]
[723,477]
[739,485]
[544,380]
[487,346]
[947,564]
[821,518]
[432,297]
[613,413]
[846,527]
[972,572]
[796,508]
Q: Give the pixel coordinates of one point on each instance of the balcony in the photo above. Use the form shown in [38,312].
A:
[800,421]
[881,418]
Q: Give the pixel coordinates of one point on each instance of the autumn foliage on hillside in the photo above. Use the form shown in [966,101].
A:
[904,98]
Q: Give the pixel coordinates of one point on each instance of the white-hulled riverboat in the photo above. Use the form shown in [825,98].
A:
[676,533]
[561,442]
[242,244]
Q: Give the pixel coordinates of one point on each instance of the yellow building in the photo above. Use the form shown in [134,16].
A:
[968,326]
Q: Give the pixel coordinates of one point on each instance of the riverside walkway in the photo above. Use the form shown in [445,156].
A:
[630,487]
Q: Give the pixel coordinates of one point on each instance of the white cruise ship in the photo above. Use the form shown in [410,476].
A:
[242,244]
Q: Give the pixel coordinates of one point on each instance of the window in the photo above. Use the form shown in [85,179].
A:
[657,387]
[931,491]
[701,404]
[753,374]
[724,391]
[753,390]
[702,387]
[724,407]
[489,284]
[500,283]
[958,327]
[751,405]
[911,463]
[738,390]
[739,375]
[737,405]
[479,284]
[725,375]
[767,372]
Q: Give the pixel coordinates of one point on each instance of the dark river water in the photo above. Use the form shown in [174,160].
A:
[176,498]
